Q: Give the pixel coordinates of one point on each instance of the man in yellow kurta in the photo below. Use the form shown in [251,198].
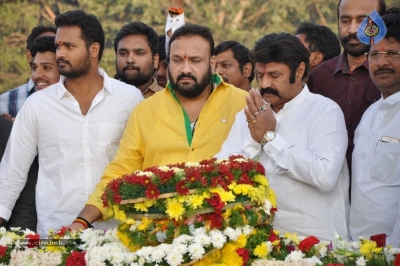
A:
[186,122]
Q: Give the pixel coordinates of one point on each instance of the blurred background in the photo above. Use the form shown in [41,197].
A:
[241,20]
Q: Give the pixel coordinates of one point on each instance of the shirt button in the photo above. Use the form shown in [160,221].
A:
[177,19]
[192,149]
[349,102]
[353,79]
[172,21]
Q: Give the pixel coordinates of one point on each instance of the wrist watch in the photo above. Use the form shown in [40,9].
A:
[269,136]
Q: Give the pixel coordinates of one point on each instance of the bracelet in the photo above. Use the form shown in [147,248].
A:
[80,222]
[177,11]
[88,225]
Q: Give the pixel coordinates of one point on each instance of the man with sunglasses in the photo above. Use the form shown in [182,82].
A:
[376,157]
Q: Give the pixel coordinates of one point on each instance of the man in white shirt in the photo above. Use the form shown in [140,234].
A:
[299,137]
[376,158]
[74,125]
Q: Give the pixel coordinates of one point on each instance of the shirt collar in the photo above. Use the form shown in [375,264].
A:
[391,100]
[305,92]
[154,86]
[61,90]
[343,65]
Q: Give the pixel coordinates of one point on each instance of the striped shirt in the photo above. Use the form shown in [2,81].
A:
[12,101]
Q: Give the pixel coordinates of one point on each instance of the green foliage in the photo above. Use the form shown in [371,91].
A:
[242,20]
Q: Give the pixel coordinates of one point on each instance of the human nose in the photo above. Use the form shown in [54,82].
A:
[353,27]
[131,58]
[264,82]
[37,73]
[382,59]
[186,67]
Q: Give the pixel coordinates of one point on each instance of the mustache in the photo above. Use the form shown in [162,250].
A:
[269,90]
[383,70]
[130,67]
[349,38]
[60,60]
[183,75]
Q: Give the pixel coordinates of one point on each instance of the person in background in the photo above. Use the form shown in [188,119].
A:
[345,78]
[136,49]
[375,186]
[161,73]
[320,41]
[12,101]
[232,63]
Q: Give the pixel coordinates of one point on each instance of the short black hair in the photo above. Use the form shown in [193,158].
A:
[393,10]
[240,53]
[392,22]
[161,47]
[90,26]
[43,44]
[320,39]
[381,8]
[189,30]
[138,28]
[281,48]
[36,32]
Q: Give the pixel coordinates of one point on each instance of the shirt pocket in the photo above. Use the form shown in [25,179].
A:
[109,136]
[385,163]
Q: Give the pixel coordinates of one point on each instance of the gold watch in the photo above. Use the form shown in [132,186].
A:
[269,136]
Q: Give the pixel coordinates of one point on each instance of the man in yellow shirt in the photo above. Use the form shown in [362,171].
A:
[187,122]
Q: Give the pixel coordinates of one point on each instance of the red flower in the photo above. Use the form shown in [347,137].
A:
[76,259]
[272,236]
[216,220]
[181,187]
[114,185]
[105,200]
[152,192]
[216,202]
[117,198]
[273,210]
[379,239]
[306,244]
[3,251]
[33,240]
[397,260]
[244,253]
[145,181]
[63,231]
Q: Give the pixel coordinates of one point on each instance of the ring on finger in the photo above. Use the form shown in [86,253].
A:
[254,121]
[247,120]
[256,113]
[263,108]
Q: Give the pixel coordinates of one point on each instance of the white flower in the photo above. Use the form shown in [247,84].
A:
[15,229]
[180,248]
[158,255]
[247,229]
[394,251]
[361,261]
[148,174]
[196,251]
[174,259]
[164,168]
[191,164]
[294,256]
[217,239]
[354,245]
[199,231]
[231,233]
[267,207]
[203,239]
[323,251]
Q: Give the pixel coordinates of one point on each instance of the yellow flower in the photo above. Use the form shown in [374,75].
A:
[130,221]
[143,206]
[232,185]
[271,197]
[226,196]
[55,249]
[227,213]
[377,250]
[126,241]
[261,251]
[118,214]
[277,232]
[241,241]
[145,223]
[261,180]
[195,201]
[292,237]
[175,209]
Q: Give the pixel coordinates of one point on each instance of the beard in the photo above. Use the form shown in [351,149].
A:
[354,49]
[190,91]
[138,77]
[82,67]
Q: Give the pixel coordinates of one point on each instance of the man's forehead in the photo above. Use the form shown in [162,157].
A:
[269,67]
[357,8]
[225,56]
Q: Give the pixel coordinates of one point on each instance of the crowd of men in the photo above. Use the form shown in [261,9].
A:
[324,124]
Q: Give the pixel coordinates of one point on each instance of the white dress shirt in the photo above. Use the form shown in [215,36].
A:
[73,149]
[375,191]
[305,164]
